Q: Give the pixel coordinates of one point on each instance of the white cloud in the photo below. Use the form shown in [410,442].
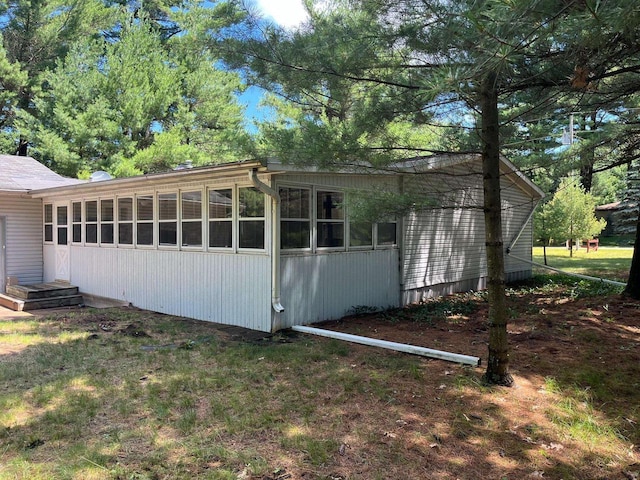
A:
[287,13]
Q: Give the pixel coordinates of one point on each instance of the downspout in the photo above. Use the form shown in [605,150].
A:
[275,238]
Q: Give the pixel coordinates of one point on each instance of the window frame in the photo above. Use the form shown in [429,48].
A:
[231,220]
[182,221]
[106,223]
[77,223]
[239,219]
[47,223]
[120,222]
[93,223]
[143,222]
[337,221]
[167,221]
[310,190]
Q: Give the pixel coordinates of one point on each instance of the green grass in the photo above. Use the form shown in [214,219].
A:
[612,263]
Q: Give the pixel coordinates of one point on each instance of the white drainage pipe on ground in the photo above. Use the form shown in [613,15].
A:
[400,347]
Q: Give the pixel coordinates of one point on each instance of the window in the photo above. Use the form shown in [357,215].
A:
[360,234]
[61,214]
[91,221]
[106,221]
[220,218]
[125,221]
[330,215]
[48,222]
[387,233]
[168,219]
[76,222]
[144,220]
[191,204]
[295,218]
[250,218]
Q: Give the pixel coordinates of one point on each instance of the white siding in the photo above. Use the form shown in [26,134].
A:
[326,286]
[444,245]
[231,289]
[23,237]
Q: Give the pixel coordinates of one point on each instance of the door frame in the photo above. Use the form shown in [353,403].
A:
[62,252]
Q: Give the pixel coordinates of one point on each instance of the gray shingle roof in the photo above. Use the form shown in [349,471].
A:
[21,174]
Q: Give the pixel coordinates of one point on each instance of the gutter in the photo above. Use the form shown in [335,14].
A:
[275,238]
[399,347]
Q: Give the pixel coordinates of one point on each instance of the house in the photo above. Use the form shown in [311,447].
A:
[21,231]
[268,246]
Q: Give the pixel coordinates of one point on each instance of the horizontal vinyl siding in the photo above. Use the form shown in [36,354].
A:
[444,245]
[23,237]
[326,286]
[231,289]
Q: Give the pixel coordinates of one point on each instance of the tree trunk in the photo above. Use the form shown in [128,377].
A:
[498,362]
[633,284]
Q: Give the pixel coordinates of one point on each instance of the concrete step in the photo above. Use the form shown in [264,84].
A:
[19,305]
[41,290]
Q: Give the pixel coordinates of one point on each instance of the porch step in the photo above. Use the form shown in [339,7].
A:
[41,290]
[45,295]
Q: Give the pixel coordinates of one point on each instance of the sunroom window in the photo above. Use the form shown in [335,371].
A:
[106,221]
[387,233]
[191,204]
[144,220]
[330,215]
[251,218]
[360,234]
[48,222]
[76,222]
[91,221]
[221,218]
[125,221]
[295,218]
[168,219]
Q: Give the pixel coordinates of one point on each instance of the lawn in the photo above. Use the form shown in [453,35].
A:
[608,262]
[128,394]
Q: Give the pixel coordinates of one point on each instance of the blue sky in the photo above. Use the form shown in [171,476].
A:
[288,14]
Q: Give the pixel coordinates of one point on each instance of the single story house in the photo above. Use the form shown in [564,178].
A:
[268,246]
[21,217]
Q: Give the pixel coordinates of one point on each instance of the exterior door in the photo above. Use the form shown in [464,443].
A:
[3,254]
[61,240]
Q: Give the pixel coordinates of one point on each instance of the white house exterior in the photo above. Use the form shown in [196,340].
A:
[267,246]
[21,217]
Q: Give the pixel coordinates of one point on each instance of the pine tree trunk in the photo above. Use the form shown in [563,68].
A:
[633,284]
[498,362]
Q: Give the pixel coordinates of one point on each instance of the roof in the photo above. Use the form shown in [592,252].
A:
[23,174]
[413,165]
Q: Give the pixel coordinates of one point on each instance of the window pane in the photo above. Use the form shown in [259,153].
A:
[191,205]
[48,233]
[145,207]
[91,211]
[62,235]
[251,202]
[387,233]
[106,210]
[360,234]
[125,233]
[144,233]
[220,234]
[330,205]
[251,234]
[77,212]
[62,216]
[168,233]
[295,234]
[48,213]
[330,234]
[106,233]
[294,203]
[220,204]
[77,232]
[168,206]
[125,209]
[192,234]
[91,233]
